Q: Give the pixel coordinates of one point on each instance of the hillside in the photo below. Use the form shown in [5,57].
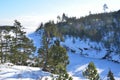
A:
[93,38]
[79,62]
[77,65]
[99,33]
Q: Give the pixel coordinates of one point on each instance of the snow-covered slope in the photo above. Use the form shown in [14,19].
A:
[88,48]
[84,47]
[14,72]
[81,52]
[36,37]
[77,64]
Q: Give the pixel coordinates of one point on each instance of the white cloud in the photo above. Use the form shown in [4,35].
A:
[29,22]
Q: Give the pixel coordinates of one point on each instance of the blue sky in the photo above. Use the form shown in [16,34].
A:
[31,12]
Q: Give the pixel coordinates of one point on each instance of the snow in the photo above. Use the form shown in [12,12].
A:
[15,72]
[94,50]
[37,38]
[115,57]
[79,63]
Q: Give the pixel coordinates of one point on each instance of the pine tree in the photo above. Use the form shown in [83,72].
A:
[50,31]
[64,17]
[7,47]
[5,42]
[43,53]
[110,75]
[1,46]
[53,57]
[22,47]
[91,72]
[105,7]
[58,60]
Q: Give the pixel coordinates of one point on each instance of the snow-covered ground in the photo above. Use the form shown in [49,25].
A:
[85,47]
[77,64]
[91,51]
[14,72]
[89,48]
